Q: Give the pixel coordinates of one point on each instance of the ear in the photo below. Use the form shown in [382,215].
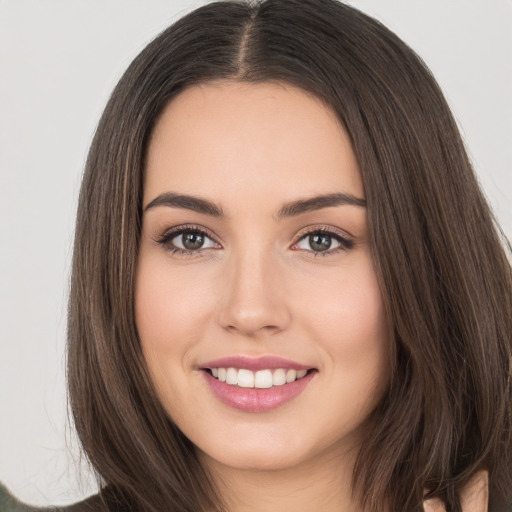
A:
[474,497]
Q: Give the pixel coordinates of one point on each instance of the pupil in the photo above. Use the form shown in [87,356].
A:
[320,242]
[192,241]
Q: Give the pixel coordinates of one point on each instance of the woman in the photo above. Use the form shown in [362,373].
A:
[287,287]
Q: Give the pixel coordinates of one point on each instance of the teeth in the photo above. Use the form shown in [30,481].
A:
[231,376]
[291,375]
[279,378]
[245,379]
[261,379]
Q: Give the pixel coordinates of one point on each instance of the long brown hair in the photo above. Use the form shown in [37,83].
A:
[443,272]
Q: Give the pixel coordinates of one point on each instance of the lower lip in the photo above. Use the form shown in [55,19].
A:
[255,399]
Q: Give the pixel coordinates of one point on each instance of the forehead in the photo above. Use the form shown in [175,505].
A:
[233,138]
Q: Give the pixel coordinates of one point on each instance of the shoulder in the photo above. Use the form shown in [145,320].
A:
[8,503]
[474,497]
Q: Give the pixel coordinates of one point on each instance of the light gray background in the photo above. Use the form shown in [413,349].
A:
[59,60]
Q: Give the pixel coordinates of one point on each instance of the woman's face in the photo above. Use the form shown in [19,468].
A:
[255,267]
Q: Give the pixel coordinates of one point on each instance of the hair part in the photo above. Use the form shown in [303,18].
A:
[443,273]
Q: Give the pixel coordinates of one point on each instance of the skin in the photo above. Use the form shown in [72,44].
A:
[474,497]
[259,289]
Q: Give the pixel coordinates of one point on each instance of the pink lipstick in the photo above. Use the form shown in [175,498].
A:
[256,384]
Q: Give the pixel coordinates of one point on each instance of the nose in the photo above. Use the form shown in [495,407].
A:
[253,301]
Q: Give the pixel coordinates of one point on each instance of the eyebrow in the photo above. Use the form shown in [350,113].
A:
[291,209]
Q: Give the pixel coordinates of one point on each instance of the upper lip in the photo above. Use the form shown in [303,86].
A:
[255,364]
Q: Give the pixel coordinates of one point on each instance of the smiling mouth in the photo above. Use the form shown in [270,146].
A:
[260,390]
[257,384]
[261,379]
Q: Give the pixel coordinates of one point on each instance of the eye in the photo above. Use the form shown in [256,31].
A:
[323,242]
[187,241]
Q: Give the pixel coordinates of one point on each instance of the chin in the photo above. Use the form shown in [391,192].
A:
[275,448]
[258,460]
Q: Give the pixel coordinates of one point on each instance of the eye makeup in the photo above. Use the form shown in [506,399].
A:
[321,240]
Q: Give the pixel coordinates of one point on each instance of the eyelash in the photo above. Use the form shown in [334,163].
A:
[345,242]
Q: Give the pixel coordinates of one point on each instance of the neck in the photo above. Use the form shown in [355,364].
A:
[323,483]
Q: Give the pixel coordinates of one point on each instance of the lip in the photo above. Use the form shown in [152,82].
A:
[256,400]
[255,364]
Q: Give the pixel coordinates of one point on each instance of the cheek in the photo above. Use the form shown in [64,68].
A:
[349,324]
[348,301]
[170,307]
